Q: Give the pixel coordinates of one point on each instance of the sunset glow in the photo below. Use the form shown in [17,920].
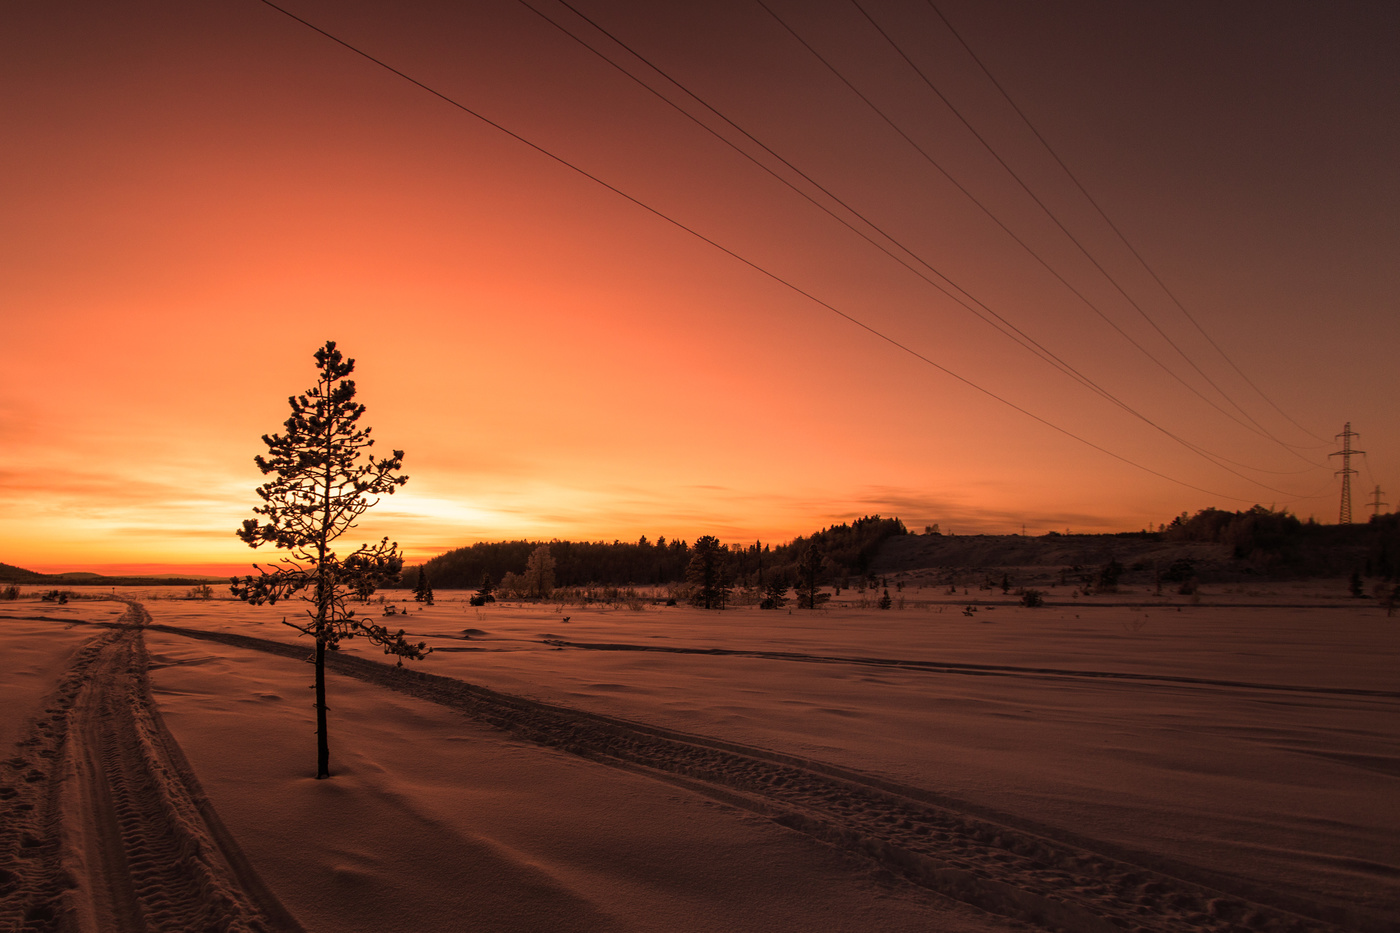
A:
[200,195]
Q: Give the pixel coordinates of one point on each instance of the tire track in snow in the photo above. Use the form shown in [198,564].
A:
[954,667]
[103,826]
[1015,872]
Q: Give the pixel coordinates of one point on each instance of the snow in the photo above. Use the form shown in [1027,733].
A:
[1245,755]
[38,638]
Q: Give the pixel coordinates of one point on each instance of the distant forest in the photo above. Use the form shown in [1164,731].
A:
[1276,542]
[846,552]
[1257,541]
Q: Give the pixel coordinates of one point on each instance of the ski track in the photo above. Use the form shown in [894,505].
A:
[954,667]
[103,826]
[1011,869]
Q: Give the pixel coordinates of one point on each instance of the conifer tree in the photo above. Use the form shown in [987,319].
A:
[423,591]
[809,572]
[775,594]
[324,478]
[709,573]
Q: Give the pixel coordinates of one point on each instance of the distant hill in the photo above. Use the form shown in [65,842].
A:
[12,574]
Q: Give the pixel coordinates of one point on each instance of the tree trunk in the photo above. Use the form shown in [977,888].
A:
[324,594]
[323,748]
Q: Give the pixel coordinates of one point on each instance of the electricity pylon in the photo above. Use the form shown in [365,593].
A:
[1376,502]
[1346,472]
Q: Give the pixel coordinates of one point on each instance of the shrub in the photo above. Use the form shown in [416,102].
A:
[1181,570]
[775,595]
[10,592]
[1389,596]
[1032,599]
[1109,574]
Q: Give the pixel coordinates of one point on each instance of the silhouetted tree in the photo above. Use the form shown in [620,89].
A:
[809,572]
[775,594]
[484,591]
[324,480]
[708,572]
[885,601]
[423,591]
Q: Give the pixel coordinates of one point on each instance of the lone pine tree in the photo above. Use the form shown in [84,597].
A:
[423,590]
[324,478]
[483,592]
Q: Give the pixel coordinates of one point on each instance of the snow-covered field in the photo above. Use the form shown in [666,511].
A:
[1081,766]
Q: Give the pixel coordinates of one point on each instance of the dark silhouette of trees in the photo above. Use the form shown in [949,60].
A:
[1253,533]
[324,478]
[809,576]
[708,573]
[1383,551]
[849,551]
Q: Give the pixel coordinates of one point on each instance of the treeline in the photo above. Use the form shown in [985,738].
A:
[1277,542]
[576,563]
[1255,533]
[846,551]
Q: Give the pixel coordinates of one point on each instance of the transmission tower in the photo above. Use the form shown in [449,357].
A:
[1346,472]
[1376,502]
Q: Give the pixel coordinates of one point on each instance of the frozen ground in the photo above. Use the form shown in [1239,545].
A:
[1080,767]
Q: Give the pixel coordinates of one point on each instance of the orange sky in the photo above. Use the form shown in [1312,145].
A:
[199,195]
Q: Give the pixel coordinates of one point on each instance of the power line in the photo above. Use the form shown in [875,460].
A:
[1006,229]
[1119,233]
[1056,220]
[731,253]
[968,301]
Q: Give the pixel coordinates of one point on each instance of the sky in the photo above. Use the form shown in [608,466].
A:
[584,315]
